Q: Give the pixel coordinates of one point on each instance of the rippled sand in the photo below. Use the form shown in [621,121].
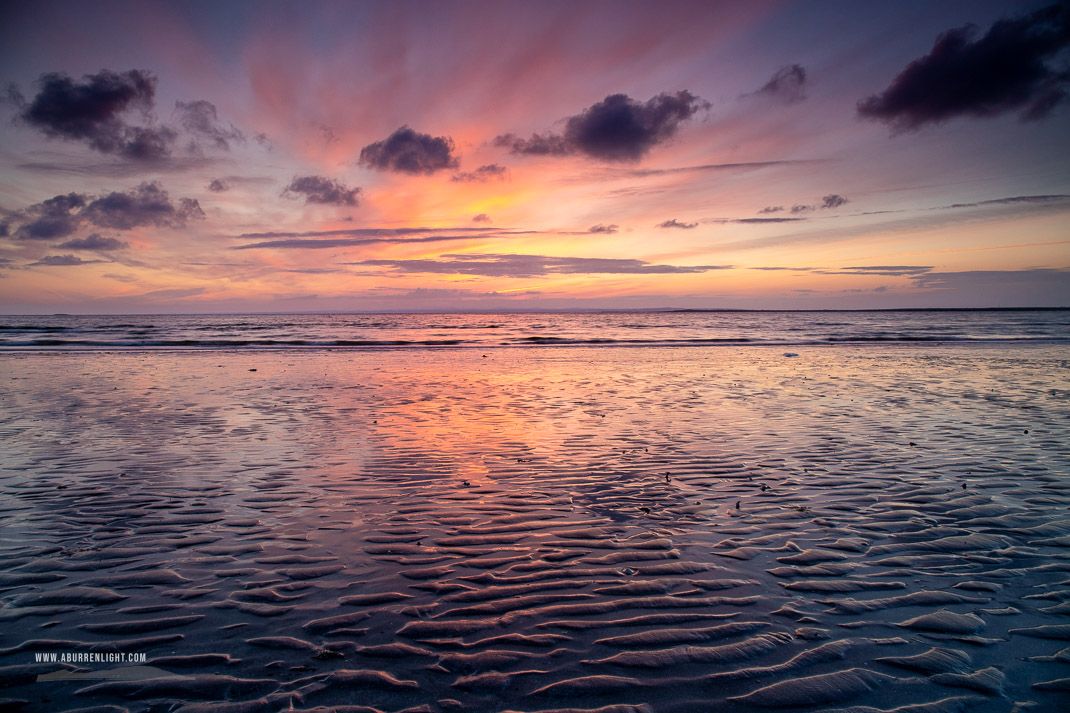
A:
[615,529]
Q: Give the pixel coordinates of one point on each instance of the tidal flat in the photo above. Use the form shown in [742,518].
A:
[853,527]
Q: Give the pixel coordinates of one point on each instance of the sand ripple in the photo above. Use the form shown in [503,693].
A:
[861,530]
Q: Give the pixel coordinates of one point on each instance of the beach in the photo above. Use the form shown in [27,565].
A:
[666,529]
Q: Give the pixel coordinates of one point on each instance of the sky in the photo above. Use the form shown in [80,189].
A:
[262,156]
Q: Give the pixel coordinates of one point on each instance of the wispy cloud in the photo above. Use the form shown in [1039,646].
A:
[67,260]
[488,172]
[321,243]
[498,265]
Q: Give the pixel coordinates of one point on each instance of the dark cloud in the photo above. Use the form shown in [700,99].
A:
[674,223]
[201,120]
[827,202]
[53,218]
[407,151]
[63,261]
[604,229]
[1015,66]
[1012,200]
[94,111]
[787,85]
[218,185]
[148,143]
[96,241]
[325,191]
[148,204]
[618,128]
[883,270]
[481,218]
[489,172]
[496,265]
[772,209]
[766,220]
[62,215]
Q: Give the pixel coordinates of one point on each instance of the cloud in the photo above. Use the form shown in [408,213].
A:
[407,151]
[772,209]
[148,204]
[828,202]
[52,218]
[62,215]
[364,232]
[1014,66]
[604,229]
[64,261]
[674,223]
[618,128]
[95,241]
[537,145]
[497,265]
[325,191]
[610,173]
[320,243]
[63,164]
[93,112]
[764,220]
[491,171]
[1012,200]
[218,185]
[883,270]
[1038,278]
[1037,287]
[481,218]
[787,85]
[201,120]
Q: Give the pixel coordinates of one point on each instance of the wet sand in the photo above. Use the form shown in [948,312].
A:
[853,528]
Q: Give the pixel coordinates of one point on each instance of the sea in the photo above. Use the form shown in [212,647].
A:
[484,331]
[599,512]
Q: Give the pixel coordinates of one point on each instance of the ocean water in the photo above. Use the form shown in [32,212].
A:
[880,520]
[688,328]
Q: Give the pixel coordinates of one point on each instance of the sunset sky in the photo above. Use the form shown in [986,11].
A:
[265,156]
